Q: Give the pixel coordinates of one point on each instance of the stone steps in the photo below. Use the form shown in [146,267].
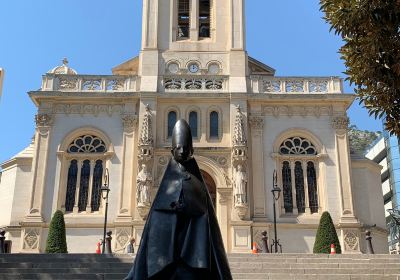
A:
[243,266]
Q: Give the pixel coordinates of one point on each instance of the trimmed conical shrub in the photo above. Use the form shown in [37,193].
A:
[56,240]
[326,235]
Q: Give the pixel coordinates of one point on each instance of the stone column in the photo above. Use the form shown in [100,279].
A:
[340,125]
[39,167]
[90,188]
[306,197]
[257,163]
[294,191]
[194,20]
[129,123]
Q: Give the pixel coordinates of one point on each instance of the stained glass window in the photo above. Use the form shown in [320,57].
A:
[214,123]
[87,144]
[287,187]
[312,187]
[297,146]
[96,188]
[71,186]
[171,122]
[84,187]
[193,123]
[299,183]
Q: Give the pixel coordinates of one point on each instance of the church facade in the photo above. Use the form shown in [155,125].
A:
[246,122]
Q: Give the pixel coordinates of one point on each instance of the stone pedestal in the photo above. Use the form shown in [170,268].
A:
[241,237]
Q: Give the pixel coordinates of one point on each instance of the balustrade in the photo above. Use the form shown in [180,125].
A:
[88,83]
[197,83]
[287,85]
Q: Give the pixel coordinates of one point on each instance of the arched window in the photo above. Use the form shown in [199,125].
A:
[71,185]
[204,18]
[214,125]
[299,180]
[97,182]
[85,173]
[312,187]
[193,123]
[183,19]
[287,187]
[172,118]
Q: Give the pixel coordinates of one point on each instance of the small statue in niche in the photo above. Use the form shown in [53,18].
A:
[144,181]
[240,185]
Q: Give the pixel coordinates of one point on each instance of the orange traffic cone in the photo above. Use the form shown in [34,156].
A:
[98,251]
[333,250]
[254,249]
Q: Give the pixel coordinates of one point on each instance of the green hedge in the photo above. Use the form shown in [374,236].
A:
[326,235]
[56,240]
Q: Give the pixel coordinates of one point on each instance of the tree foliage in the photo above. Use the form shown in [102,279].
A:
[361,140]
[370,30]
[326,235]
[56,240]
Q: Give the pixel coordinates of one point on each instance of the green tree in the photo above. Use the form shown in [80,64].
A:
[361,140]
[326,235]
[370,30]
[56,240]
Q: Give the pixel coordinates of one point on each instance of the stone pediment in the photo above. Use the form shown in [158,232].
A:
[129,67]
[258,68]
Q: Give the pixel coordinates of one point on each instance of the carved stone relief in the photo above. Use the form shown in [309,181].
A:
[351,241]
[144,180]
[220,160]
[122,236]
[341,122]
[256,122]
[129,122]
[284,110]
[43,120]
[239,133]
[31,239]
[89,109]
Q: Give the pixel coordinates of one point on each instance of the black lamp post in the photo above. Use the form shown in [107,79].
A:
[104,193]
[276,192]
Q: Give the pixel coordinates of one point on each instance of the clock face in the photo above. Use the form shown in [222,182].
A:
[173,68]
[193,68]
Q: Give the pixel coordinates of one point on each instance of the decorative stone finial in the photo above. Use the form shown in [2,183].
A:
[239,136]
[146,135]
[65,61]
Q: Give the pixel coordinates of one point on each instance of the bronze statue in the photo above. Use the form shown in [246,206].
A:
[181,238]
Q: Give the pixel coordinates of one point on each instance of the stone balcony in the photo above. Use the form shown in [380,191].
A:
[195,83]
[89,83]
[259,84]
[296,85]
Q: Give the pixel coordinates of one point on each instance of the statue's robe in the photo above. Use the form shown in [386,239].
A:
[181,238]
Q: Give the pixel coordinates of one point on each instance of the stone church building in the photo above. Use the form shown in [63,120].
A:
[246,123]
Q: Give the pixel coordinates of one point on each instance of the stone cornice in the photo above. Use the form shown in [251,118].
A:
[365,163]
[59,97]
[17,161]
[280,98]
[297,110]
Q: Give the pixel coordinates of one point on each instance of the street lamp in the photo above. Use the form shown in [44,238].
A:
[276,193]
[104,194]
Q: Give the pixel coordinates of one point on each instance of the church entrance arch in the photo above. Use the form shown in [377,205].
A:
[211,186]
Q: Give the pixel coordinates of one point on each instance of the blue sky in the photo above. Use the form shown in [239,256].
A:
[96,35]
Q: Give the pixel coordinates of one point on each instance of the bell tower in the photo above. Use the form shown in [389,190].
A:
[193,37]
